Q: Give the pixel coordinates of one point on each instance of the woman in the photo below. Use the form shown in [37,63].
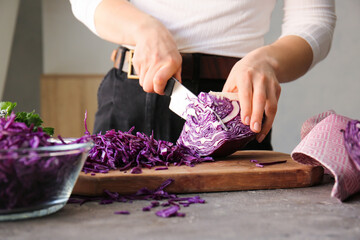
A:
[208,45]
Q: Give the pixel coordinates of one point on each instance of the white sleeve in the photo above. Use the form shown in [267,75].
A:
[84,11]
[314,21]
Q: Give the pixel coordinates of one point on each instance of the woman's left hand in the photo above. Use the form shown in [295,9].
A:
[254,79]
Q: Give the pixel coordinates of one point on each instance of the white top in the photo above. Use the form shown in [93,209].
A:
[231,27]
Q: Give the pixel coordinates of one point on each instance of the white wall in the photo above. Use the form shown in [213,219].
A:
[8,14]
[333,84]
[25,62]
[69,47]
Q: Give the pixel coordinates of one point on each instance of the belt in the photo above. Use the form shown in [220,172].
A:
[194,65]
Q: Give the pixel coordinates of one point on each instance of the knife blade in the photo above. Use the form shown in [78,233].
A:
[181,97]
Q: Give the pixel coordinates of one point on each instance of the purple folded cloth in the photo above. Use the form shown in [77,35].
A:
[322,143]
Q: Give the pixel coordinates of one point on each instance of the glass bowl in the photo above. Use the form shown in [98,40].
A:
[38,181]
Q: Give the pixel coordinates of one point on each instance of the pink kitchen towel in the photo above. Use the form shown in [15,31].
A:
[322,143]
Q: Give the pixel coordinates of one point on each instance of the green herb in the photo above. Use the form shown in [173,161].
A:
[29,118]
[48,130]
[6,108]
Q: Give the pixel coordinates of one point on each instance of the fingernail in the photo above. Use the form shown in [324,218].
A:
[247,120]
[261,138]
[257,127]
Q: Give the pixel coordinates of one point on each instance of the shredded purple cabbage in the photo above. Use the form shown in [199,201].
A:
[15,135]
[172,204]
[29,176]
[124,150]
[205,135]
[169,212]
[352,141]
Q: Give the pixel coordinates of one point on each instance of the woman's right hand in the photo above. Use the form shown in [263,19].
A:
[156,56]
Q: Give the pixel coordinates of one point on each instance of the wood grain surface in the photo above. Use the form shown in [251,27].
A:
[232,173]
[64,100]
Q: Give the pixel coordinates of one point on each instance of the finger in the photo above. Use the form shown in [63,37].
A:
[229,85]
[148,82]
[258,107]
[140,70]
[136,63]
[245,92]
[161,77]
[270,111]
[141,74]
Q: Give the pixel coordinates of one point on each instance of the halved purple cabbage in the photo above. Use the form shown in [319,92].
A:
[205,135]
[352,141]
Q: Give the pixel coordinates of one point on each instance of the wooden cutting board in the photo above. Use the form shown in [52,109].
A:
[232,173]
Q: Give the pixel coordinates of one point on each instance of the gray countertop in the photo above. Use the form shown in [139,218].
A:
[301,213]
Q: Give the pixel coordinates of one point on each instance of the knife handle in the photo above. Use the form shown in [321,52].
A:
[169,86]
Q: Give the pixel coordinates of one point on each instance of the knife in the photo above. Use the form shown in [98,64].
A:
[181,97]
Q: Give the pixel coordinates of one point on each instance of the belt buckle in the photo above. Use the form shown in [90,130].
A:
[131,73]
